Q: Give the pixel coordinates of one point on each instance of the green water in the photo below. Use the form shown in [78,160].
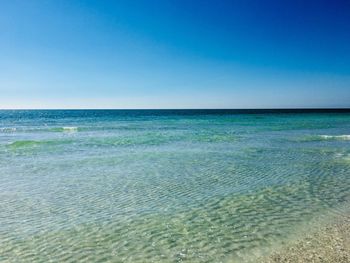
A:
[165,186]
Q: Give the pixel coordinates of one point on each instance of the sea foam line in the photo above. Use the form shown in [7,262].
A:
[7,129]
[335,137]
[70,129]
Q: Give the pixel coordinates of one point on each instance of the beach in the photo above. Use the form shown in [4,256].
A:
[157,131]
[174,186]
[328,243]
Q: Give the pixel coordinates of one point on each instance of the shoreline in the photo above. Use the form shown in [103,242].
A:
[327,243]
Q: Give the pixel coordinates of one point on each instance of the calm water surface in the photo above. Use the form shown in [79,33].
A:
[165,186]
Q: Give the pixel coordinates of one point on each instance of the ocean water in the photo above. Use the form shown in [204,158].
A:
[166,186]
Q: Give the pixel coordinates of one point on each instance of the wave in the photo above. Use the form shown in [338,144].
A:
[39,129]
[212,138]
[7,129]
[25,143]
[336,137]
[65,129]
[30,144]
[325,138]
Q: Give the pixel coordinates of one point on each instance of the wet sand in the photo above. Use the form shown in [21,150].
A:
[329,243]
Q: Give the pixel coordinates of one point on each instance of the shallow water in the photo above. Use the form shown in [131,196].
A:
[165,186]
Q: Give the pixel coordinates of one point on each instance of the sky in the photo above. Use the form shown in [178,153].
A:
[174,54]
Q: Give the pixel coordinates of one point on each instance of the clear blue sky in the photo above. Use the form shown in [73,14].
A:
[174,54]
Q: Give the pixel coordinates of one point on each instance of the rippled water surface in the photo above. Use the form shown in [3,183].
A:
[165,186]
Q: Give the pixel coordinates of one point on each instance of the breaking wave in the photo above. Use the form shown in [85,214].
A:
[325,138]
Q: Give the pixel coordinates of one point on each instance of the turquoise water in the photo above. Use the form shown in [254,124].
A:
[165,186]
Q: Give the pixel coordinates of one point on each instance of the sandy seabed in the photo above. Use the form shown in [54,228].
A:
[329,243]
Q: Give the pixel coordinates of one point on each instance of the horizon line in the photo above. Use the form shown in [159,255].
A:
[145,109]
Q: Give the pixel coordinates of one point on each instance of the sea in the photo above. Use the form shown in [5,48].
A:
[167,185]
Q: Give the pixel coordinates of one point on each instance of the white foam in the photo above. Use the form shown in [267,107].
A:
[70,129]
[335,137]
[8,129]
